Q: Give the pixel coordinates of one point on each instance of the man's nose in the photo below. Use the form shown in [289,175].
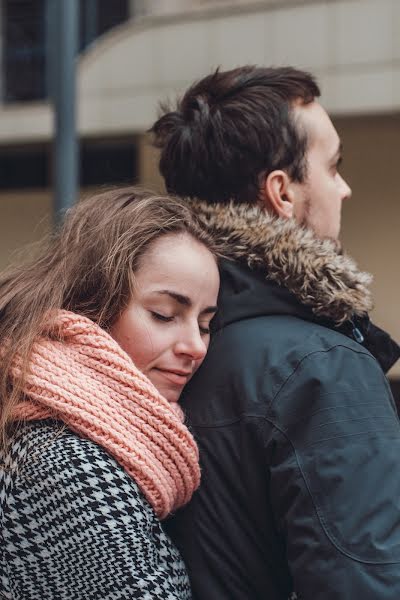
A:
[346,193]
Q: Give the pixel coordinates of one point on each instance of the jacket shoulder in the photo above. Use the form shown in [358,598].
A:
[288,335]
[251,360]
[332,375]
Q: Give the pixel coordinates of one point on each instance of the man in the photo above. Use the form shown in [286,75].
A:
[298,433]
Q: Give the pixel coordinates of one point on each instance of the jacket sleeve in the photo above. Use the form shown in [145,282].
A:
[335,481]
[76,526]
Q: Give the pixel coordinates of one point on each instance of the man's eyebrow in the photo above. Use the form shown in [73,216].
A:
[185,300]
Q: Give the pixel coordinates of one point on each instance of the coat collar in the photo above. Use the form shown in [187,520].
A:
[315,271]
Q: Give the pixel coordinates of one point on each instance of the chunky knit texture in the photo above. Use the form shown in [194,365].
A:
[79,375]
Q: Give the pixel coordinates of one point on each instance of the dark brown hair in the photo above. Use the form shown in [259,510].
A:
[232,127]
[86,267]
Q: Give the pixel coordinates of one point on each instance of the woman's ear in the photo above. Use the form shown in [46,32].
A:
[277,196]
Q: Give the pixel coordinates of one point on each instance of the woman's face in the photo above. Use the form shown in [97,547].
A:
[165,326]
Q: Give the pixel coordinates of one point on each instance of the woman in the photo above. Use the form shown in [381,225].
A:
[98,336]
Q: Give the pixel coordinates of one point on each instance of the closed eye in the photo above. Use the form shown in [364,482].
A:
[204,330]
[160,317]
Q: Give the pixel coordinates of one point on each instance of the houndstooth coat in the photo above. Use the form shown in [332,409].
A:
[75,526]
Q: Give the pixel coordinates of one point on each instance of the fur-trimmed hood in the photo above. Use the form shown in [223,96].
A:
[314,270]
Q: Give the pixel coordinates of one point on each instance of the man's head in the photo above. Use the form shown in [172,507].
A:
[254,135]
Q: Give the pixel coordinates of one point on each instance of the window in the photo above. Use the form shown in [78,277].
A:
[24,167]
[24,50]
[102,161]
[25,26]
[98,16]
[108,162]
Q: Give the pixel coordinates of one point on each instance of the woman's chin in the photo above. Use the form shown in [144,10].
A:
[170,393]
[167,388]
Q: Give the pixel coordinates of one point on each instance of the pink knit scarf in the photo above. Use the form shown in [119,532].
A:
[86,380]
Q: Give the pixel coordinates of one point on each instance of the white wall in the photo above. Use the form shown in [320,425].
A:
[353,46]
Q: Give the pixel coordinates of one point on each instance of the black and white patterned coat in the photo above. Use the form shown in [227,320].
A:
[75,526]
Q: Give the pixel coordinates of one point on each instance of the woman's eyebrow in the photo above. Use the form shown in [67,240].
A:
[184,300]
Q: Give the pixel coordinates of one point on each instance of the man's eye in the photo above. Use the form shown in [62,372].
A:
[160,317]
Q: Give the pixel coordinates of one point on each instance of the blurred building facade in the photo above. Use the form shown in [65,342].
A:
[142,51]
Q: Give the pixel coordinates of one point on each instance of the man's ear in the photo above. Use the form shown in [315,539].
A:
[277,196]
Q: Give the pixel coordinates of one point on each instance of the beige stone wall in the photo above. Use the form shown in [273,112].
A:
[25,216]
[149,175]
[371,219]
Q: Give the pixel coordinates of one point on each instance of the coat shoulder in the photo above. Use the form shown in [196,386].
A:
[45,458]
[251,361]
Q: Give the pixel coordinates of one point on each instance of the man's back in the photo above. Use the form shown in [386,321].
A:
[273,409]
[298,434]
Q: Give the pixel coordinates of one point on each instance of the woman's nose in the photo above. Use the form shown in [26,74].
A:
[192,344]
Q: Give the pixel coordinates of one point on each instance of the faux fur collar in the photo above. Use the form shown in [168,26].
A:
[315,271]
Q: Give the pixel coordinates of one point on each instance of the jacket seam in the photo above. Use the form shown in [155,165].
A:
[321,519]
[246,415]
[318,513]
[299,364]
[286,381]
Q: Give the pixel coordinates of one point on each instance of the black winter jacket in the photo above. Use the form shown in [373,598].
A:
[298,433]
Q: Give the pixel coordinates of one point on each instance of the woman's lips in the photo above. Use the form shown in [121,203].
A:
[176,377]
